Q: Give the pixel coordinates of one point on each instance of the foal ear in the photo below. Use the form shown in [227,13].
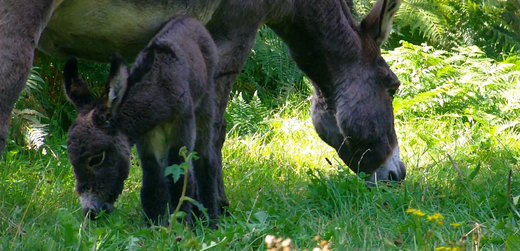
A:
[142,66]
[75,88]
[378,23]
[117,83]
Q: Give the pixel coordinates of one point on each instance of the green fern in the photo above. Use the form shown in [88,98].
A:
[270,72]
[463,84]
[246,117]
[493,25]
[34,82]
[424,17]
[27,124]
[34,131]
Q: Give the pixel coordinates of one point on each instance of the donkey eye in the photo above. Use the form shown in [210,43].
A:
[96,160]
[381,62]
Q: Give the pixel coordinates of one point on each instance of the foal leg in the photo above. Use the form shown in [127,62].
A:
[22,22]
[157,150]
[207,167]
[154,192]
[183,136]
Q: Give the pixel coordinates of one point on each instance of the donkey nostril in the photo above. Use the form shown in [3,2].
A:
[402,167]
[399,174]
[393,176]
[107,207]
[90,213]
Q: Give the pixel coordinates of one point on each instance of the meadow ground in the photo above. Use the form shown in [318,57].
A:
[458,194]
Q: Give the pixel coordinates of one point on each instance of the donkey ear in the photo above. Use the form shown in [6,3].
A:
[117,83]
[75,88]
[378,23]
[142,66]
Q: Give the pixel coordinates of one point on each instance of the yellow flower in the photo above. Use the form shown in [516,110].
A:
[455,224]
[415,212]
[419,213]
[410,210]
[448,249]
[435,217]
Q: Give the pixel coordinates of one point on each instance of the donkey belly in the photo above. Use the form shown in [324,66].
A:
[158,143]
[95,29]
[170,135]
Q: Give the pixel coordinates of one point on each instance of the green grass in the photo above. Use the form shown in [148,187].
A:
[279,182]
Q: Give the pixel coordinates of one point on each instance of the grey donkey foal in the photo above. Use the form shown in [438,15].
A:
[164,103]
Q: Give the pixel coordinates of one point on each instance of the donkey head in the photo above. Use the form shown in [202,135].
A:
[354,88]
[365,112]
[99,153]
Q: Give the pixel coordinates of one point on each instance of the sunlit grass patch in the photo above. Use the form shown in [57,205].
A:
[283,181]
[279,183]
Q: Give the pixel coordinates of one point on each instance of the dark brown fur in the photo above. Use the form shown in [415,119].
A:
[166,102]
[352,109]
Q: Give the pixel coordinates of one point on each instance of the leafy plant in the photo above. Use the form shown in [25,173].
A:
[28,123]
[176,171]
[460,84]
[246,117]
[493,25]
[270,72]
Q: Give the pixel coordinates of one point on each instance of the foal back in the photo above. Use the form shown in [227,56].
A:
[175,72]
[180,59]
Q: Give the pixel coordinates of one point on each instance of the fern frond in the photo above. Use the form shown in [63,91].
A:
[33,131]
[34,82]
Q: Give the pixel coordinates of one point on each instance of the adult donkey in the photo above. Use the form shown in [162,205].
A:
[352,105]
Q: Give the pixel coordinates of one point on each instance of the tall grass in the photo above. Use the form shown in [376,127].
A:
[456,118]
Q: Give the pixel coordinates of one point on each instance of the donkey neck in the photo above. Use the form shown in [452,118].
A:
[139,112]
[322,39]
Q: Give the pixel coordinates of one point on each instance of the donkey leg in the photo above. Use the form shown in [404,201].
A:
[207,167]
[206,170]
[234,44]
[177,187]
[22,23]
[154,192]
[185,137]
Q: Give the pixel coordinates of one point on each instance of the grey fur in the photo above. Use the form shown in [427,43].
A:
[165,102]
[352,110]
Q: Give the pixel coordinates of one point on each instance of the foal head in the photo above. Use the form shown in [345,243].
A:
[99,153]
